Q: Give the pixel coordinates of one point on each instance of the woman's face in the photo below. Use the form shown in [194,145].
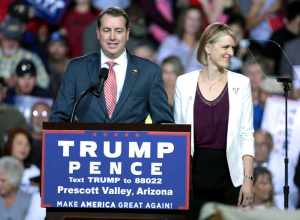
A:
[169,75]
[220,52]
[263,188]
[20,147]
[5,185]
[192,22]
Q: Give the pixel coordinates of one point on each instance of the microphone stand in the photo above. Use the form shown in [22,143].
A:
[286,81]
[82,94]
[286,87]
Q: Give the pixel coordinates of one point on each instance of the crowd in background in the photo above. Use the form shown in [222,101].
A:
[34,53]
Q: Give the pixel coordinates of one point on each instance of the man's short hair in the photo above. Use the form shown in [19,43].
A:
[115,12]
[292,10]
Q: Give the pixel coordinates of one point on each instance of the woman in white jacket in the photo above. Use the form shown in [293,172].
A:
[218,105]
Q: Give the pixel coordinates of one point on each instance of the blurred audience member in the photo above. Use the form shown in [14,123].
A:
[254,68]
[263,188]
[184,43]
[262,19]
[34,36]
[160,16]
[57,60]
[4,5]
[263,147]
[214,10]
[291,67]
[75,22]
[21,10]
[11,53]
[145,50]
[26,82]
[255,72]
[288,32]
[171,69]
[90,43]
[269,87]
[10,117]
[237,23]
[18,145]
[139,32]
[14,203]
[39,113]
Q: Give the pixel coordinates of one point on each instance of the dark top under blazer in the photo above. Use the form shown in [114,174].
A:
[142,94]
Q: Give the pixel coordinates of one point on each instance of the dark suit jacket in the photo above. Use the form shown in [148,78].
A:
[142,94]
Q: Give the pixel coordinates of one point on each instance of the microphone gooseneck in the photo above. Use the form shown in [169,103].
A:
[96,89]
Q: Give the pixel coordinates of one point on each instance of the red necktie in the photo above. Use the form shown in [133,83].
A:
[110,89]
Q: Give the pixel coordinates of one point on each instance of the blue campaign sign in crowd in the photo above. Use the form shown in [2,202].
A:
[50,10]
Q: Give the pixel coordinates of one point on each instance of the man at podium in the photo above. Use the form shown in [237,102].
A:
[132,89]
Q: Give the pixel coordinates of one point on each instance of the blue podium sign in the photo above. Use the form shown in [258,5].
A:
[116,169]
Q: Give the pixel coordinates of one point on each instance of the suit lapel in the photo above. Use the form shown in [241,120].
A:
[233,89]
[132,74]
[93,71]
[191,88]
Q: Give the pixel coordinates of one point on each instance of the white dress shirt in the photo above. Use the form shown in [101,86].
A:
[120,69]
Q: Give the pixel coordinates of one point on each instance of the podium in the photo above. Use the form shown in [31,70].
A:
[115,171]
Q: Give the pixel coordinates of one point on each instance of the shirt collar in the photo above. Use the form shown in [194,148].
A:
[122,59]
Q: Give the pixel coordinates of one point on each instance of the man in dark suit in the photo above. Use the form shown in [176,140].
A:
[134,87]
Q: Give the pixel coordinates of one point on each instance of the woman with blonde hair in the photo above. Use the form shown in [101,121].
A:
[217,104]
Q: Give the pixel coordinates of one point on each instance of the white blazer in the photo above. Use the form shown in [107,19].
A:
[240,139]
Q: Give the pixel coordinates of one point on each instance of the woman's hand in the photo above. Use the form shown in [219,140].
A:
[246,194]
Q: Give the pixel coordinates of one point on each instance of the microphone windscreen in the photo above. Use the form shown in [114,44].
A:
[103,73]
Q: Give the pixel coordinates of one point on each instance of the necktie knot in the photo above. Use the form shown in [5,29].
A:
[110,64]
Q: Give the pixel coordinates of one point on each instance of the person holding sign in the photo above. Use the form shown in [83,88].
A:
[218,105]
[133,88]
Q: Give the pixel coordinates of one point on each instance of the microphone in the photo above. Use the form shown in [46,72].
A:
[102,78]
[285,78]
[96,89]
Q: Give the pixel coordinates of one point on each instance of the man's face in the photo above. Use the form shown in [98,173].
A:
[57,50]
[262,148]
[40,113]
[9,46]
[255,74]
[112,35]
[25,84]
